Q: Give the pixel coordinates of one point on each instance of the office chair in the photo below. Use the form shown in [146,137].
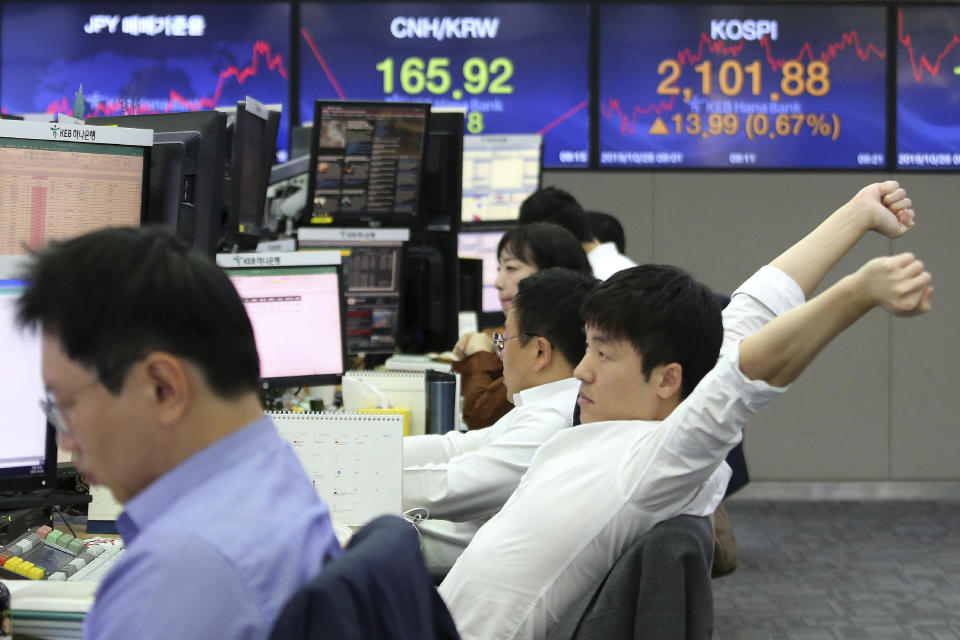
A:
[659,589]
[378,589]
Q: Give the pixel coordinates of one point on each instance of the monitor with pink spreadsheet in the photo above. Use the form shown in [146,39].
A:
[295,306]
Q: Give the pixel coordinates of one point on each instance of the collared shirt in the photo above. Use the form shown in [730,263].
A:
[605,261]
[468,476]
[217,545]
[591,491]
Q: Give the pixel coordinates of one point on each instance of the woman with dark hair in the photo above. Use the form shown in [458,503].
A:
[522,251]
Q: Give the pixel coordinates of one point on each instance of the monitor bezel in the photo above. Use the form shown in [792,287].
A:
[366,219]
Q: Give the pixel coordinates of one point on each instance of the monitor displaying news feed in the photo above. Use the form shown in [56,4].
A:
[366,163]
[294,304]
[61,181]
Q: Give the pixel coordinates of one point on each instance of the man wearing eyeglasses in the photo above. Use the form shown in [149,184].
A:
[462,479]
[151,372]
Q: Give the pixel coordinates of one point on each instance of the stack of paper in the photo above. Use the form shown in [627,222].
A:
[50,610]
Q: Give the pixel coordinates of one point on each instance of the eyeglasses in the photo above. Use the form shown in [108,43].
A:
[51,408]
[499,340]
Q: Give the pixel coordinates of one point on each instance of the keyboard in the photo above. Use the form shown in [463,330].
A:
[48,554]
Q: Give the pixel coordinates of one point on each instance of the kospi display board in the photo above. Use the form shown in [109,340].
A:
[745,85]
[928,87]
[117,59]
[514,67]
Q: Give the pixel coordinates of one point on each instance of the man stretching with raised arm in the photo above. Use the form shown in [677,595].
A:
[653,431]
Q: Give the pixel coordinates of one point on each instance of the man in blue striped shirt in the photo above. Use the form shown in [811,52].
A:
[151,371]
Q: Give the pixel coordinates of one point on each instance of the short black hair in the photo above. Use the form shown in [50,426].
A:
[606,228]
[114,295]
[665,314]
[544,245]
[548,304]
[559,207]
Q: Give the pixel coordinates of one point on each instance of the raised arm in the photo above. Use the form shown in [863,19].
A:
[883,207]
[780,351]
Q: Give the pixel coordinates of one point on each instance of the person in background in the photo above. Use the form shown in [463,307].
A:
[606,228]
[660,411]
[522,251]
[152,373]
[461,479]
[559,207]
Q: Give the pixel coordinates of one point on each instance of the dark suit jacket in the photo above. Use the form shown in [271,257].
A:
[659,589]
[378,589]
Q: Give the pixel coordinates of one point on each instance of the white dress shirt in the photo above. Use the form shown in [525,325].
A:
[466,477]
[605,261]
[591,491]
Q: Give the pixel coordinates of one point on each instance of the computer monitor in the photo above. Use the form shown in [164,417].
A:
[287,193]
[174,164]
[212,126]
[294,304]
[253,148]
[483,245]
[60,181]
[366,160]
[499,172]
[441,188]
[300,140]
[373,281]
[471,284]
[431,292]
[28,455]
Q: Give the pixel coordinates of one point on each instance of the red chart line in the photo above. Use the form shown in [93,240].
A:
[261,50]
[323,64]
[924,64]
[563,117]
[689,56]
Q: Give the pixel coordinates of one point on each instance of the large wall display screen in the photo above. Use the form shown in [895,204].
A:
[118,59]
[726,86]
[514,68]
[928,87]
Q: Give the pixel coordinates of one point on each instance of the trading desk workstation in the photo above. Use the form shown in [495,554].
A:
[368,231]
[369,227]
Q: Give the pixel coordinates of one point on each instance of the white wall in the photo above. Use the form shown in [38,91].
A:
[878,404]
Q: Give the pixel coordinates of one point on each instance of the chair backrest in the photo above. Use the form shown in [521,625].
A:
[378,588]
[659,589]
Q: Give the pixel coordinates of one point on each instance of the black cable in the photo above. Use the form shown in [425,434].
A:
[64,518]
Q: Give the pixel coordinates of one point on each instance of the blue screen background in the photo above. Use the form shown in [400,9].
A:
[928,87]
[635,38]
[47,55]
[548,45]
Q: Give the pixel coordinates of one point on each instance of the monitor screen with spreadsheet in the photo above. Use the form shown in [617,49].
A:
[61,181]
[296,313]
[28,455]
[499,172]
